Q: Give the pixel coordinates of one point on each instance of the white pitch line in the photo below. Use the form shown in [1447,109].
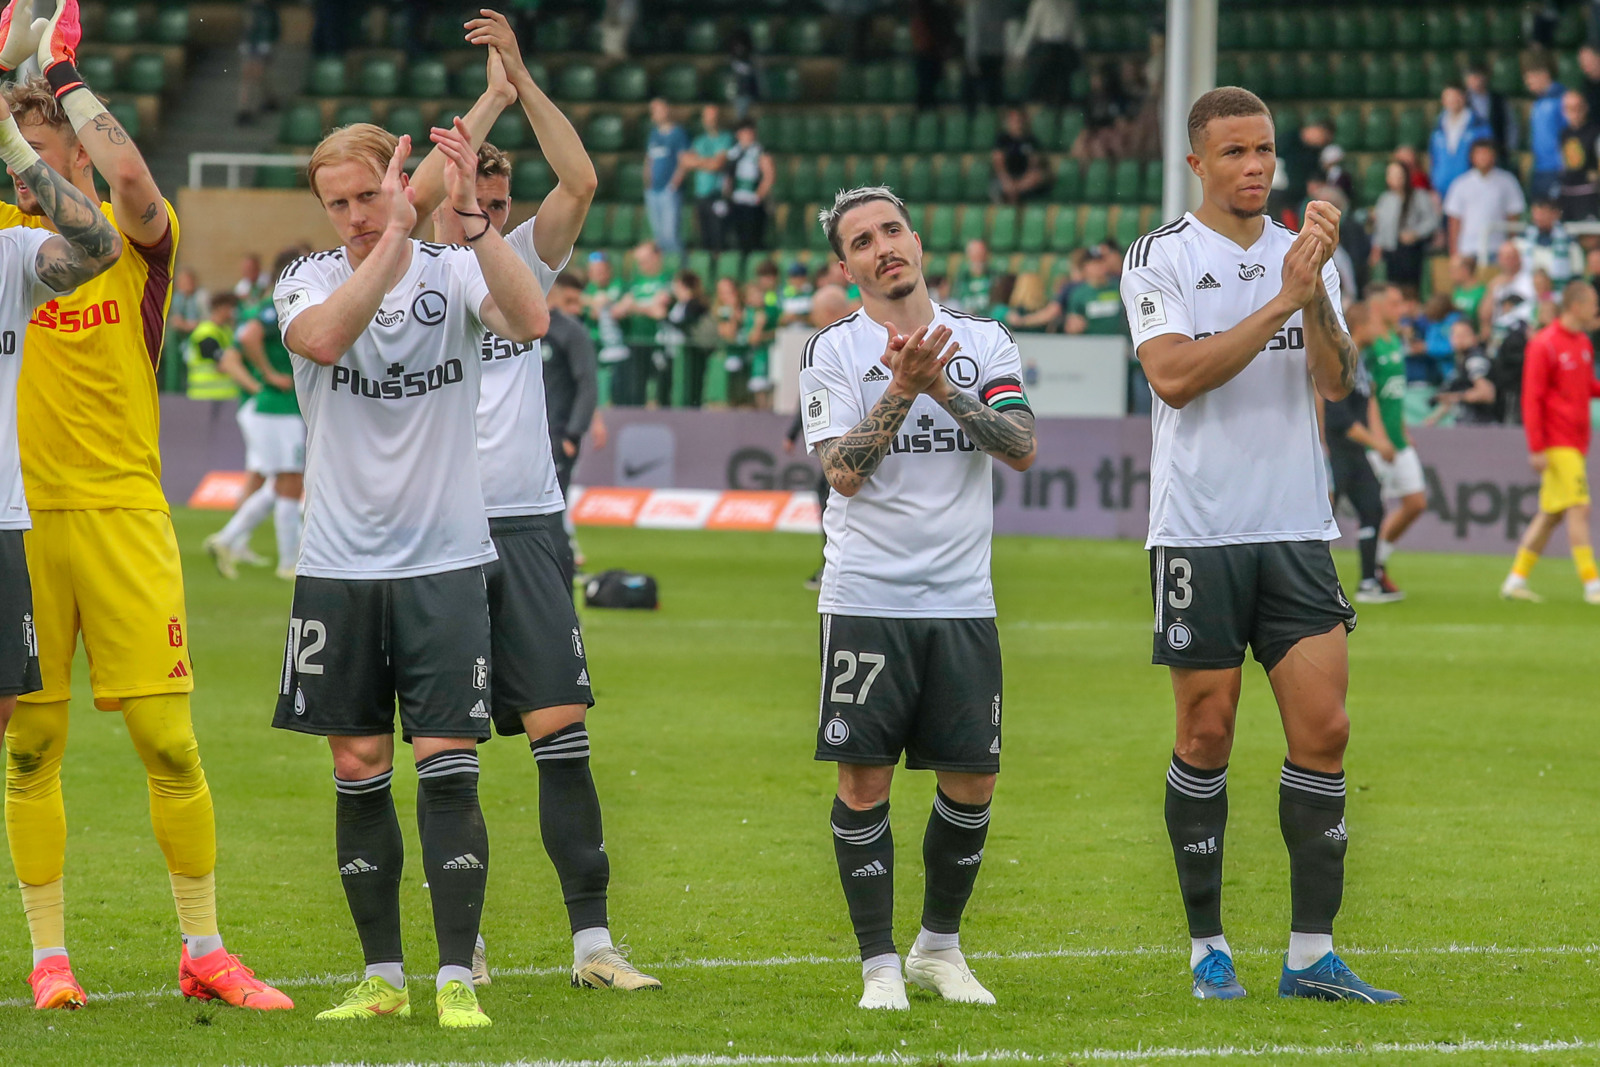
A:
[723,963]
[1102,1055]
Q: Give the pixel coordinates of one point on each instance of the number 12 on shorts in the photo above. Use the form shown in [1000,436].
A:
[306,638]
[852,663]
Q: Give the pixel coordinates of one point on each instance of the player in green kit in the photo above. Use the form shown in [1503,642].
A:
[1398,467]
[278,433]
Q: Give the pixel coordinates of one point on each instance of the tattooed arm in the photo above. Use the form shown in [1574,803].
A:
[1330,354]
[134,194]
[87,243]
[850,460]
[1007,436]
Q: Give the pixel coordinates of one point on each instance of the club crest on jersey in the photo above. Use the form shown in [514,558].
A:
[390,318]
[1251,272]
[962,371]
[1178,636]
[480,674]
[429,307]
[837,732]
[174,632]
[1152,310]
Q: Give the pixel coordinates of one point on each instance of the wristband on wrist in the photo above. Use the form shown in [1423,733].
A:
[473,215]
[14,148]
[77,99]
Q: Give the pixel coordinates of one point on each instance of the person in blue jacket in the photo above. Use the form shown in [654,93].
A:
[1546,124]
[1450,145]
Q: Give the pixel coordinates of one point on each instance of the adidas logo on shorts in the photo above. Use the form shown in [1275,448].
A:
[1208,847]
[464,862]
[871,870]
[479,711]
[358,866]
[875,374]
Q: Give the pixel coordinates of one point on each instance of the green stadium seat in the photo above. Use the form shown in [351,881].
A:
[1380,133]
[1033,229]
[1003,236]
[1345,30]
[379,77]
[1568,72]
[870,132]
[979,178]
[1096,224]
[1380,77]
[1412,127]
[1228,72]
[985,127]
[876,82]
[763,35]
[1129,227]
[902,83]
[626,228]
[728,264]
[1471,29]
[1288,30]
[172,25]
[531,179]
[941,235]
[1572,27]
[1349,76]
[1046,127]
[352,113]
[277,177]
[893,175]
[147,73]
[301,124]
[699,262]
[769,132]
[1071,127]
[793,130]
[99,69]
[1375,26]
[925,135]
[781,192]
[427,79]
[806,37]
[1126,182]
[1405,29]
[803,183]
[404,120]
[593,234]
[1064,232]
[816,240]
[702,37]
[1347,127]
[1069,180]
[510,131]
[1256,72]
[1439,71]
[955,132]
[122,26]
[578,81]
[1313,74]
[1438,28]
[974,224]
[554,35]
[326,77]
[919,182]
[1153,184]
[125,112]
[782,84]
[604,133]
[1505,75]
[679,83]
[1257,31]
[857,171]
[897,133]
[1373,181]
[831,178]
[628,83]
[1097,181]
[1410,80]
[1286,120]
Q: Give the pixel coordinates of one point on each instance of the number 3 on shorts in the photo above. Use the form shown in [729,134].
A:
[1181,595]
[852,663]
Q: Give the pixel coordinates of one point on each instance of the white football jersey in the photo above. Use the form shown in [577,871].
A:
[20,292]
[914,541]
[514,458]
[1241,464]
[392,486]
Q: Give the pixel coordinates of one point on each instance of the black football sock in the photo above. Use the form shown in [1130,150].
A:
[1197,816]
[371,855]
[455,850]
[952,849]
[1368,544]
[864,847]
[1311,815]
[569,821]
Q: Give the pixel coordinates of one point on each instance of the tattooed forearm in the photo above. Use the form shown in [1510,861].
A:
[1322,332]
[1009,436]
[88,242]
[850,460]
[112,129]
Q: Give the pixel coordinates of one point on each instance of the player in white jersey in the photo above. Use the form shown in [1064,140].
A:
[36,266]
[1237,325]
[389,600]
[904,402]
[541,675]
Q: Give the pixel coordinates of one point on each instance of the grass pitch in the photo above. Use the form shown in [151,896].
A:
[1471,885]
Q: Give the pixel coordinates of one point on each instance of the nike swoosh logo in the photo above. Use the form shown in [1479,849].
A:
[629,470]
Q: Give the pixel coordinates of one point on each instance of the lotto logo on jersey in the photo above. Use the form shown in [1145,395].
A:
[49,316]
[398,383]
[174,632]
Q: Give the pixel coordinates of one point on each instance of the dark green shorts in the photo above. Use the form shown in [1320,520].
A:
[19,646]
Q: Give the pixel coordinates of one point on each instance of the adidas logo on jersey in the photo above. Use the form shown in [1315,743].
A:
[180,671]
[1208,847]
[1208,282]
[1338,833]
[583,676]
[876,374]
[464,862]
[971,861]
[479,711]
[994,747]
[358,866]
[871,870]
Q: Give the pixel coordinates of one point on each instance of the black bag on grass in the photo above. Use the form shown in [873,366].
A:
[620,589]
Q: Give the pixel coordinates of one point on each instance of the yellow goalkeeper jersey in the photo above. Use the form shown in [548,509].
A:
[89,421]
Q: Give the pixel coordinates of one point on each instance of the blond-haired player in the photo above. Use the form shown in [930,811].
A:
[102,555]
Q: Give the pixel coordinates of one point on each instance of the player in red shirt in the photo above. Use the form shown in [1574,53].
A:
[1557,384]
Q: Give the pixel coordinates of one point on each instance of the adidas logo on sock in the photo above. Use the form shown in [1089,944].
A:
[1208,282]
[464,862]
[479,711]
[358,866]
[583,676]
[1207,847]
[871,870]
[876,374]
[971,861]
[1338,833]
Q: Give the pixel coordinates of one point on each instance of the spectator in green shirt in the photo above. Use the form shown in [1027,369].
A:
[640,311]
[708,154]
[1466,291]
[1095,307]
[1000,293]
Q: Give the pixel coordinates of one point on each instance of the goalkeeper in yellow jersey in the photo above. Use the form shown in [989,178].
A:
[102,556]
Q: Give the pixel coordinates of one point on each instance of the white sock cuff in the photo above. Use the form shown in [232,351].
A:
[42,954]
[590,942]
[887,960]
[928,941]
[393,973]
[452,974]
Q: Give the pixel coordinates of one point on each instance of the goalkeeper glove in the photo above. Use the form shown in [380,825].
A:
[18,39]
[58,48]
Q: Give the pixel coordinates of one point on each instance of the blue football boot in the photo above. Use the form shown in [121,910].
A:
[1214,977]
[1330,979]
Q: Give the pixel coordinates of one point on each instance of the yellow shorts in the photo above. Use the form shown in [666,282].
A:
[116,576]
[1566,481]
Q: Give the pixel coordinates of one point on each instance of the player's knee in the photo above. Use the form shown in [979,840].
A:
[862,792]
[34,746]
[1329,738]
[968,788]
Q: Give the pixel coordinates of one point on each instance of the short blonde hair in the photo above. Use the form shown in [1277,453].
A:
[32,100]
[493,163]
[360,142]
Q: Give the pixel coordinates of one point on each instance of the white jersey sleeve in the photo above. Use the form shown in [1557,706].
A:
[469,284]
[22,245]
[303,285]
[830,399]
[1153,294]
[521,242]
[1330,279]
